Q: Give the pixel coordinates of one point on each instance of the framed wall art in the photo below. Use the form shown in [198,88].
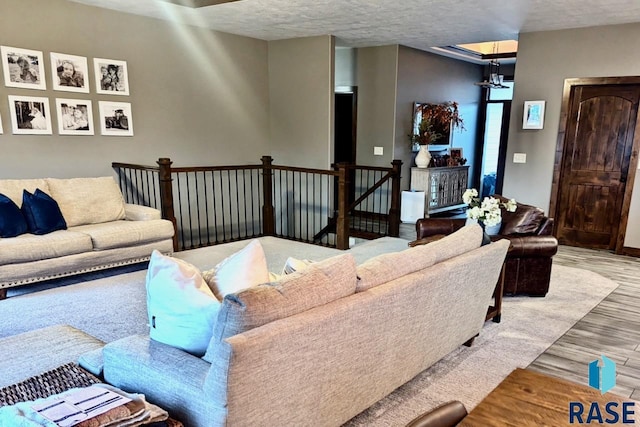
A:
[75,117]
[533,115]
[23,68]
[111,76]
[69,72]
[115,118]
[30,115]
[0,125]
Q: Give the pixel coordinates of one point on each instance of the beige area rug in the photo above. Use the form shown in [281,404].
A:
[529,326]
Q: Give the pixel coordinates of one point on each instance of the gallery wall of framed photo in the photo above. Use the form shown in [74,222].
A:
[33,115]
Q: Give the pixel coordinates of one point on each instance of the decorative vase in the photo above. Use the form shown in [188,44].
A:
[423,158]
[492,230]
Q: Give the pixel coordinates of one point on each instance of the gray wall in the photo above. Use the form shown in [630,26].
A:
[301,101]
[199,97]
[377,77]
[545,59]
[426,77]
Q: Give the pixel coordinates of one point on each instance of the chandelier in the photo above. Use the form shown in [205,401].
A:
[495,80]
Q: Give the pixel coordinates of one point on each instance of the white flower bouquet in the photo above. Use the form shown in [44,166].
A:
[487,210]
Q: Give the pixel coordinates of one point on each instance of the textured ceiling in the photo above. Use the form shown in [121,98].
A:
[415,23]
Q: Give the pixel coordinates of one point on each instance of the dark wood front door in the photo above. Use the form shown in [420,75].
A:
[599,139]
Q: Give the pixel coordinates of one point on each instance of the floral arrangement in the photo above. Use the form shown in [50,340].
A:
[437,119]
[487,210]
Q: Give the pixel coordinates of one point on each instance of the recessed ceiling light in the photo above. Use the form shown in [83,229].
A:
[198,3]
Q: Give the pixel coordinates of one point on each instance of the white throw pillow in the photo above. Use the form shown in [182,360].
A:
[182,309]
[292,265]
[244,269]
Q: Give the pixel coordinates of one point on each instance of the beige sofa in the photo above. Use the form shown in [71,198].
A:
[102,232]
[318,352]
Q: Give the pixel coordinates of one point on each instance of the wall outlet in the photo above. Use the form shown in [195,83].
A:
[519,157]
[378,151]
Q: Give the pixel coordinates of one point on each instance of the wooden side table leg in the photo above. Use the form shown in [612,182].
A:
[495,311]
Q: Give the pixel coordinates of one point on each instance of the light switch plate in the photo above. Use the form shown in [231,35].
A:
[519,157]
[378,151]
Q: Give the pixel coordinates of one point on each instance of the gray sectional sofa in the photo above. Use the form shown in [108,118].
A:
[102,232]
[321,362]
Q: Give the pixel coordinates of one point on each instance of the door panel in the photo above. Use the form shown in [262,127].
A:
[597,150]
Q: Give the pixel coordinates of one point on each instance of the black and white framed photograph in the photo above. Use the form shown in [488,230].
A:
[75,116]
[30,115]
[533,115]
[69,72]
[111,76]
[23,68]
[115,118]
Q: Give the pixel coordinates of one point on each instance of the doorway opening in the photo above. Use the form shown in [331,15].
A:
[346,114]
[497,113]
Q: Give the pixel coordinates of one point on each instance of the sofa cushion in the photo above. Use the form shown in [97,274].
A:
[31,247]
[241,270]
[180,306]
[41,212]
[140,213]
[115,234]
[525,220]
[292,265]
[13,188]
[318,284]
[389,266]
[88,200]
[12,222]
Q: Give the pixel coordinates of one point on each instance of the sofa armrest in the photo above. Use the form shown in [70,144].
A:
[167,376]
[140,213]
[426,227]
[530,246]
[141,364]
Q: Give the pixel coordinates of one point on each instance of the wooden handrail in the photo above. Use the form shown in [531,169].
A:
[116,165]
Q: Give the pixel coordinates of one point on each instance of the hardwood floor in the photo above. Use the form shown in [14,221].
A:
[612,328]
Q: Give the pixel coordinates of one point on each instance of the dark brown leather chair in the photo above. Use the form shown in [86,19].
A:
[446,415]
[528,262]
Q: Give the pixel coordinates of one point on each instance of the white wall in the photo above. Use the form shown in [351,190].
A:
[545,60]
[198,96]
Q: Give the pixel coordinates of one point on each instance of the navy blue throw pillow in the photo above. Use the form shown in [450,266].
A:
[12,222]
[42,212]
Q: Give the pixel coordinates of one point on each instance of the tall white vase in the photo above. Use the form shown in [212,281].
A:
[423,158]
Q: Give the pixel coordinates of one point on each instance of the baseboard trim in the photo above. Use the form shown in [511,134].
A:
[635,252]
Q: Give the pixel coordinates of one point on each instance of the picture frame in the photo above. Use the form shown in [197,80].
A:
[115,118]
[30,115]
[455,152]
[75,116]
[111,75]
[23,68]
[1,131]
[69,73]
[455,156]
[533,115]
